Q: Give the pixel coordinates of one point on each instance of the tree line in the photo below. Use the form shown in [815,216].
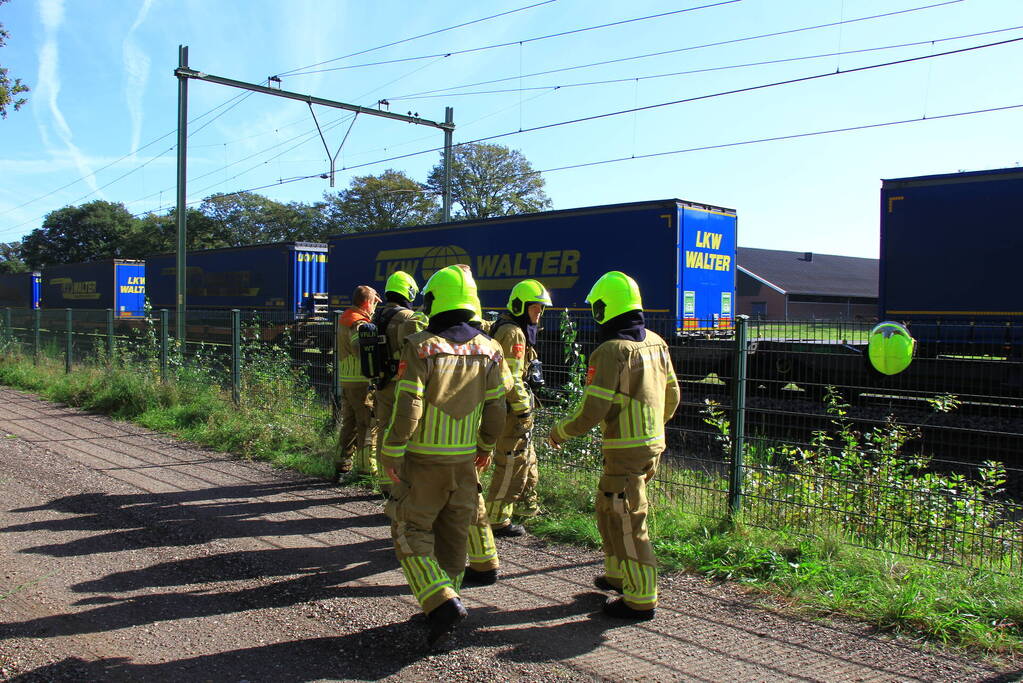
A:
[487,181]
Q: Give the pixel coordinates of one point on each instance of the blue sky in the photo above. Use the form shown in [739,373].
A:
[103,86]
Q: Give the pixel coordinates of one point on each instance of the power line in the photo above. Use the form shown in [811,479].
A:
[421,35]
[524,40]
[689,48]
[688,150]
[723,93]
[116,161]
[743,65]
[777,138]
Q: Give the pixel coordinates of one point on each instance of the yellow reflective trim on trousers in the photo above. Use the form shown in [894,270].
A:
[612,567]
[408,385]
[481,544]
[656,439]
[499,512]
[424,576]
[639,585]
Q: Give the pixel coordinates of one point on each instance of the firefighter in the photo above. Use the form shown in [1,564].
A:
[357,431]
[631,390]
[515,470]
[449,409]
[395,320]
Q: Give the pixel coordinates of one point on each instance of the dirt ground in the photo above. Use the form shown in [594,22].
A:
[125,555]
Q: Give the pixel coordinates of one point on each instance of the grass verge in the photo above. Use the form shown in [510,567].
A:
[971,609]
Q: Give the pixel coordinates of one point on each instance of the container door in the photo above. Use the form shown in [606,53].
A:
[707,269]
[309,281]
[130,290]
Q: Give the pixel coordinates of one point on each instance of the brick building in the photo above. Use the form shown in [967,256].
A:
[789,285]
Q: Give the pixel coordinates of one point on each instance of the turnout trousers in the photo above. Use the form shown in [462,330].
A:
[357,429]
[621,508]
[431,512]
[512,487]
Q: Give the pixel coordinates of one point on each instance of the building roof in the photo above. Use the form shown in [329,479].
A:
[823,274]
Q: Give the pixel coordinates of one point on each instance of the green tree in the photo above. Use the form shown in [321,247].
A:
[93,231]
[158,234]
[9,88]
[490,180]
[10,258]
[247,218]
[384,202]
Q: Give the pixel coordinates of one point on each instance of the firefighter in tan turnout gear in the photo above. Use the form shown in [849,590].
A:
[395,321]
[357,429]
[631,391]
[449,409]
[515,469]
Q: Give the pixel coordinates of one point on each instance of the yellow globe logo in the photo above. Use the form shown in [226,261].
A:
[436,258]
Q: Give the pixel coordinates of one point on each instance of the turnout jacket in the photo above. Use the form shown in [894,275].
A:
[518,354]
[449,401]
[631,390]
[346,346]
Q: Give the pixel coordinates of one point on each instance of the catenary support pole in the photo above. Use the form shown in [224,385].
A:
[738,417]
[36,333]
[164,342]
[236,355]
[68,350]
[449,119]
[182,193]
[110,335]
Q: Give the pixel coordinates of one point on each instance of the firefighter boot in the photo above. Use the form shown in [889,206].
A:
[617,608]
[443,620]
[509,530]
[475,577]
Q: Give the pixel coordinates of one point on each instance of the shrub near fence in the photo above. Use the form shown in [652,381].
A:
[786,431]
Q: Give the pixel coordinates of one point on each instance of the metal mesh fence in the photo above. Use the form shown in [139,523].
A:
[927,463]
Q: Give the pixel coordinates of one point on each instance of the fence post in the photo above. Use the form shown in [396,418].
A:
[8,330]
[67,340]
[335,382]
[236,355]
[36,324]
[738,416]
[164,350]
[110,335]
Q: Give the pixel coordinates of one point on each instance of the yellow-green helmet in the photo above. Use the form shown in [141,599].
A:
[890,348]
[403,284]
[613,294]
[525,293]
[450,289]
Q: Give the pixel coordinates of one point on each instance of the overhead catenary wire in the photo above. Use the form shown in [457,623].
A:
[686,150]
[522,41]
[116,161]
[417,37]
[232,99]
[661,53]
[726,67]
[696,98]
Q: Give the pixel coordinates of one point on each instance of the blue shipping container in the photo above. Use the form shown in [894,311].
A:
[19,290]
[949,246]
[681,253]
[119,284]
[281,276]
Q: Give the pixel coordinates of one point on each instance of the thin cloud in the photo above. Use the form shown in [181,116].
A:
[51,13]
[136,69]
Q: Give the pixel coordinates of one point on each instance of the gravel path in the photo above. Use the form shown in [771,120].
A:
[130,556]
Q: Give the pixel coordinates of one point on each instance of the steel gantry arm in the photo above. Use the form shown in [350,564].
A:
[184,73]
